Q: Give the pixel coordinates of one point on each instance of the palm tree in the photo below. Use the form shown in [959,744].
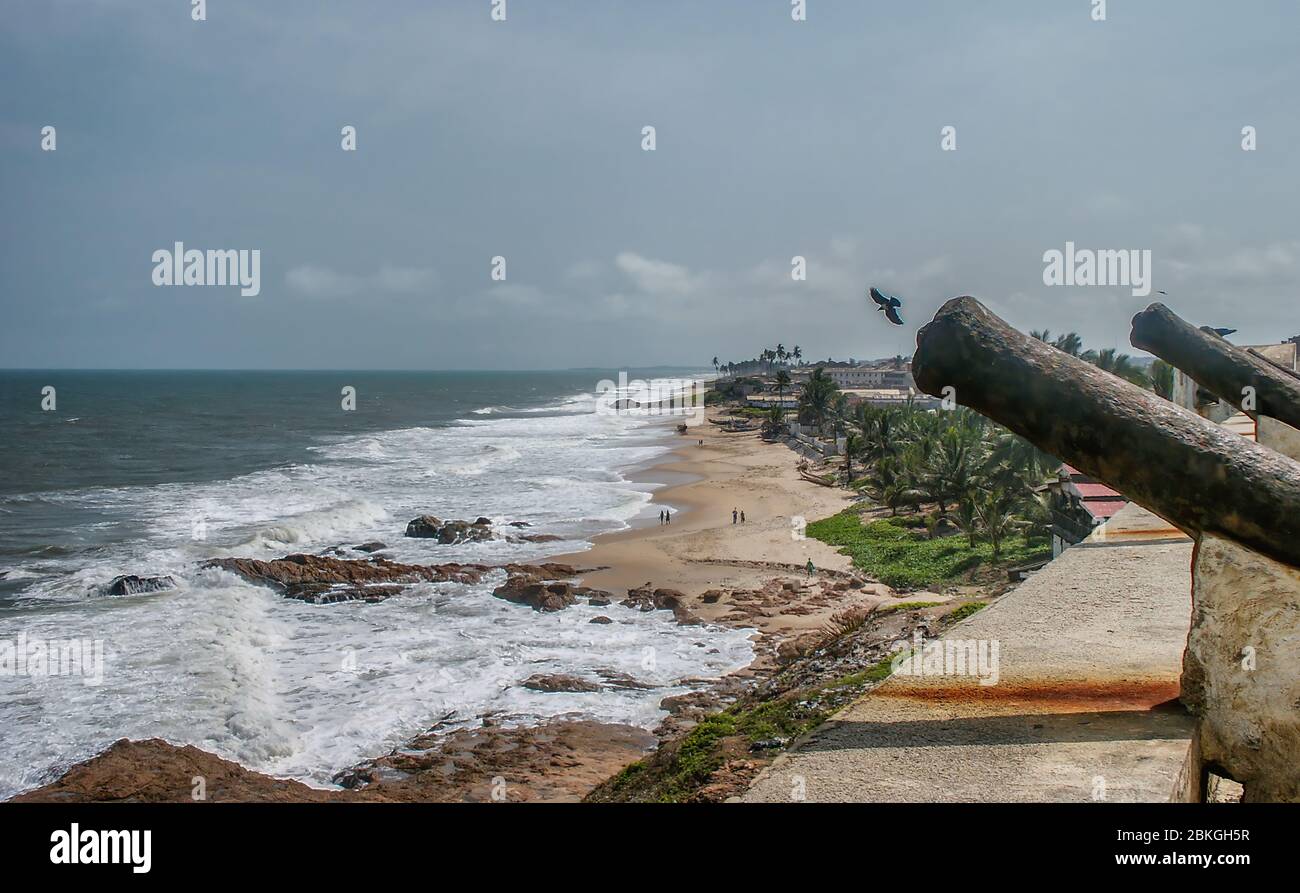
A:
[817,398]
[782,382]
[1162,379]
[995,518]
[715,365]
[1120,364]
[780,352]
[852,446]
[797,354]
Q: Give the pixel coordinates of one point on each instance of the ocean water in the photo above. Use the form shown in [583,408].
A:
[152,472]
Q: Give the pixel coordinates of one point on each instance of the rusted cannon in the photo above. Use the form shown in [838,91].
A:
[1142,445]
[1219,366]
[1238,500]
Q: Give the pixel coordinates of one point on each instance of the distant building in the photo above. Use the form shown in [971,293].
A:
[1078,504]
[869,377]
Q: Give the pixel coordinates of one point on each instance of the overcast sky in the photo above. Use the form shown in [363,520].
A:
[523,139]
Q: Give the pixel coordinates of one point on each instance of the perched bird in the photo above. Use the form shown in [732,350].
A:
[1222,333]
[887,304]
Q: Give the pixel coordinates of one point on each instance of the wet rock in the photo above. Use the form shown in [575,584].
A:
[526,589]
[600,599]
[619,679]
[540,538]
[557,682]
[373,546]
[325,580]
[450,532]
[130,584]
[600,619]
[712,597]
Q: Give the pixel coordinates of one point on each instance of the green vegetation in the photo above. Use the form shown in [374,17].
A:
[965,611]
[900,558]
[907,606]
[705,748]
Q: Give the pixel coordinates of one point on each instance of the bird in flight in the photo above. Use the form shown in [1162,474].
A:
[887,304]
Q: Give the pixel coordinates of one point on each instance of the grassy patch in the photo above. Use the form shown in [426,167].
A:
[965,611]
[900,558]
[907,606]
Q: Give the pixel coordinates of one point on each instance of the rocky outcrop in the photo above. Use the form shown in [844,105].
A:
[450,532]
[130,584]
[556,682]
[645,598]
[534,587]
[1241,669]
[322,580]
[524,589]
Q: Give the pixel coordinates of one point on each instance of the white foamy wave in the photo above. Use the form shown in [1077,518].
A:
[304,690]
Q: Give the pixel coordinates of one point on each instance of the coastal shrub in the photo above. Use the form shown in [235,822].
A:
[965,611]
[888,551]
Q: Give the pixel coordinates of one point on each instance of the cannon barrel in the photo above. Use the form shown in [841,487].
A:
[1191,472]
[1218,366]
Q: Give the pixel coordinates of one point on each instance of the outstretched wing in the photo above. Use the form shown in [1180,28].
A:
[878,297]
[891,313]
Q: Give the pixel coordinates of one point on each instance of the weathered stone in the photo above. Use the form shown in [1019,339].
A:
[130,584]
[321,579]
[1241,669]
[557,682]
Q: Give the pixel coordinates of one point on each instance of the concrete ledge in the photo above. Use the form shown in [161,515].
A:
[1084,707]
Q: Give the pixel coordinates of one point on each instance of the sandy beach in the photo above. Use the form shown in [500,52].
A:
[703,550]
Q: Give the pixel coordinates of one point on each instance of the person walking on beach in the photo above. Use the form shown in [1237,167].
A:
[810,567]
[668,517]
[733,516]
[742,516]
[661,516]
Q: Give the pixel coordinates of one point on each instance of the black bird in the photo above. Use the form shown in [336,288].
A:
[1222,333]
[887,304]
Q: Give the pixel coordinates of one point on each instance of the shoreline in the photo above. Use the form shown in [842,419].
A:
[742,575]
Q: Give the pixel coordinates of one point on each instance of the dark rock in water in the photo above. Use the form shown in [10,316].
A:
[425,526]
[601,619]
[525,589]
[644,598]
[533,585]
[553,682]
[618,679]
[520,524]
[600,599]
[480,521]
[641,598]
[450,532]
[374,546]
[325,580]
[540,538]
[130,584]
